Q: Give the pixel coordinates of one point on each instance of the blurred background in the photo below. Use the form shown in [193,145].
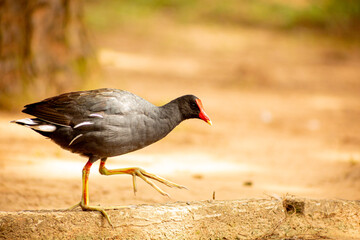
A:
[279,79]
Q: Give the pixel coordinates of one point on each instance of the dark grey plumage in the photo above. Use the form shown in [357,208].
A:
[107,122]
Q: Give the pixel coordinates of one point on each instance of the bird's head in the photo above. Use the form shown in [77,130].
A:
[191,107]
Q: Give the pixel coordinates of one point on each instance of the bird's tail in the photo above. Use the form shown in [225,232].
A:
[36,124]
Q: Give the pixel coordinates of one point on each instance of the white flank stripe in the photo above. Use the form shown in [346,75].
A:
[96,115]
[72,141]
[83,124]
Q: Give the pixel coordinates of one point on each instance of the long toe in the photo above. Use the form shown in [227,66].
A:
[161,180]
[99,209]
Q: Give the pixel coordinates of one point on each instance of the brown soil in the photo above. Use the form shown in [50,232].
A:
[285,109]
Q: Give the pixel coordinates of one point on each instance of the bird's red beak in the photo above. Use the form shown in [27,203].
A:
[202,113]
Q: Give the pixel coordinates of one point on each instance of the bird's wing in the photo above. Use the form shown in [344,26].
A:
[72,108]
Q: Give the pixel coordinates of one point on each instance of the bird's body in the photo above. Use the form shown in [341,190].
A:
[108,122]
[102,123]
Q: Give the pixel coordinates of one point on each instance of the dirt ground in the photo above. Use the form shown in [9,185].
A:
[285,108]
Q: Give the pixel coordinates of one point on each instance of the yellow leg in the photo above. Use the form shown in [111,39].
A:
[135,172]
[84,203]
[138,172]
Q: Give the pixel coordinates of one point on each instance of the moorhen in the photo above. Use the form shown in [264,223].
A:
[108,122]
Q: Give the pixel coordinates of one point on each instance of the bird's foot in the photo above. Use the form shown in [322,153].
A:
[85,207]
[141,173]
[99,209]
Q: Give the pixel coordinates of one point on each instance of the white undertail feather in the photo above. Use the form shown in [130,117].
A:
[44,128]
[36,125]
[26,121]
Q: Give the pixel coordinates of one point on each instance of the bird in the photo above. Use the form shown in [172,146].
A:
[108,122]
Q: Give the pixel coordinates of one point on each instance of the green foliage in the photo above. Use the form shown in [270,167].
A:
[339,16]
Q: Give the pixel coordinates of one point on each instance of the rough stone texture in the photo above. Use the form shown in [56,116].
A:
[237,219]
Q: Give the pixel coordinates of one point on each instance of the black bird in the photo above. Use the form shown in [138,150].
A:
[108,122]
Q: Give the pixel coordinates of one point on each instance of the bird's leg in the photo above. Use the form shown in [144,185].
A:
[84,204]
[138,172]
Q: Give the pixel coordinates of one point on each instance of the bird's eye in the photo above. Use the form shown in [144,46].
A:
[193,105]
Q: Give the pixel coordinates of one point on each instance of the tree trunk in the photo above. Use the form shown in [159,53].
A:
[43,49]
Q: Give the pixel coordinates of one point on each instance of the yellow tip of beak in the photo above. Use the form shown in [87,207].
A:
[209,122]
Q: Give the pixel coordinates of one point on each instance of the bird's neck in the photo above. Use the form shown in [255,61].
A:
[170,114]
